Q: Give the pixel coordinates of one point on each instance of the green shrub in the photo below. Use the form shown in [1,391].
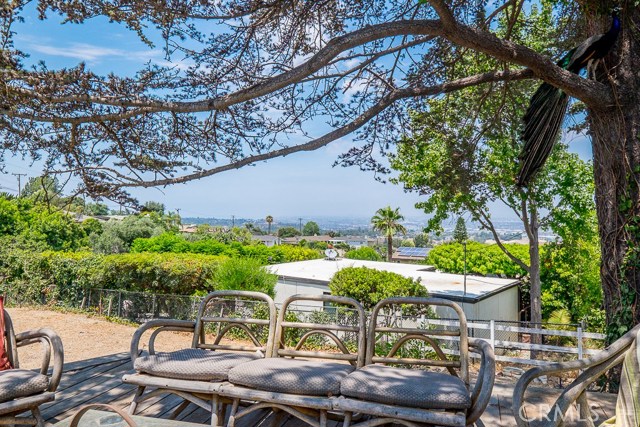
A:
[30,276]
[295,253]
[481,259]
[168,242]
[60,277]
[570,276]
[182,274]
[364,253]
[369,286]
[118,236]
[244,274]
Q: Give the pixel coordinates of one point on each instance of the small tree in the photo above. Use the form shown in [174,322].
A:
[246,274]
[422,240]
[311,228]
[288,232]
[387,221]
[152,206]
[96,209]
[369,286]
[460,234]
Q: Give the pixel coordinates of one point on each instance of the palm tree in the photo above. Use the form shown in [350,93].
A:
[387,221]
[269,220]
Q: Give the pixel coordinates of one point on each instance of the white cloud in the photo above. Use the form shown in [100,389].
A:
[81,51]
[94,54]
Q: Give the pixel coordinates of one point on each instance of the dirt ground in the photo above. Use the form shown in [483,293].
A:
[83,337]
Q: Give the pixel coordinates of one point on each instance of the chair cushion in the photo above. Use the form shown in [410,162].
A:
[406,387]
[15,383]
[192,364]
[280,375]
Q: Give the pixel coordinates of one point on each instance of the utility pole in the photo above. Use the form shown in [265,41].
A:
[300,219]
[18,175]
[233,221]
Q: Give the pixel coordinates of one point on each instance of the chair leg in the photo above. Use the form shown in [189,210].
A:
[323,418]
[222,412]
[214,411]
[277,417]
[38,416]
[347,419]
[136,399]
[232,415]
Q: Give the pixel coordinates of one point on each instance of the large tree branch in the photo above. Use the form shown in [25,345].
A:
[326,54]
[389,99]
[591,92]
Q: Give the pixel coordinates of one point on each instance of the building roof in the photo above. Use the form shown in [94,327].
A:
[445,285]
[265,237]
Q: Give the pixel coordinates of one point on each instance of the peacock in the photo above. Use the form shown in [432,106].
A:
[548,105]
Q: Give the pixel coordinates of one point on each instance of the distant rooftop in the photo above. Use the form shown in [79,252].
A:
[445,285]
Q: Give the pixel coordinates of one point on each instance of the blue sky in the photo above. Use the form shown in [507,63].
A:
[303,184]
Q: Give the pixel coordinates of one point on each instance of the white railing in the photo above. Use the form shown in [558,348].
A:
[502,345]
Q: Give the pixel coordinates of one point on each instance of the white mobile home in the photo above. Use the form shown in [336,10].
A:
[485,298]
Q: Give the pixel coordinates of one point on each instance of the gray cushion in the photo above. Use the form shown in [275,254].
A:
[280,375]
[406,387]
[15,383]
[192,364]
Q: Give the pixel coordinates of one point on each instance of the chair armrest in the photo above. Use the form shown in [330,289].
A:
[50,341]
[592,368]
[162,325]
[481,394]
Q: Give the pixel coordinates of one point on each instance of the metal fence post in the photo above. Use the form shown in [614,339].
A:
[580,343]
[492,327]
[119,303]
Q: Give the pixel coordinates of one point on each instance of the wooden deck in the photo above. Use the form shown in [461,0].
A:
[99,380]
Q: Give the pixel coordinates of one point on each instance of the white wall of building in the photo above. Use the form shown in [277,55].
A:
[500,306]
[286,288]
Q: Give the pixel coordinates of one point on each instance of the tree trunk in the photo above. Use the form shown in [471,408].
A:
[389,247]
[616,154]
[534,274]
[535,291]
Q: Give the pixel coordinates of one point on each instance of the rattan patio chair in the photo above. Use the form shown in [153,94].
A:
[21,390]
[390,390]
[196,373]
[591,369]
[315,350]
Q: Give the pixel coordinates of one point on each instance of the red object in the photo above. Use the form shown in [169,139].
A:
[4,358]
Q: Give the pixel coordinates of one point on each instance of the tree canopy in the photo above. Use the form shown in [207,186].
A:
[311,228]
[460,234]
[355,64]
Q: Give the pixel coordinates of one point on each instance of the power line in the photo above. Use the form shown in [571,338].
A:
[2,187]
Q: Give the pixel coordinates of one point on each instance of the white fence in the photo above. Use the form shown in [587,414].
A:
[517,344]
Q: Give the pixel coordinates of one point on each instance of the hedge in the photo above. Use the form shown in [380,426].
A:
[364,253]
[481,259]
[60,277]
[174,243]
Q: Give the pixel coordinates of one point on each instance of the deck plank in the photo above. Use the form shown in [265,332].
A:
[99,380]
